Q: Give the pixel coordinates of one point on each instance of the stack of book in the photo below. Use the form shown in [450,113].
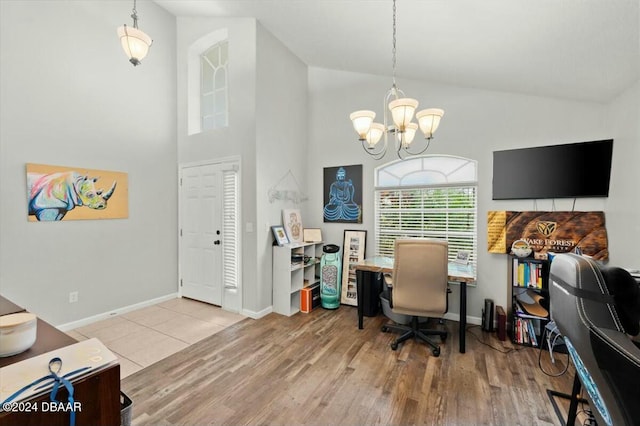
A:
[525,332]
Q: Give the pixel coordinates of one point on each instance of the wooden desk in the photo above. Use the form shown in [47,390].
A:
[462,274]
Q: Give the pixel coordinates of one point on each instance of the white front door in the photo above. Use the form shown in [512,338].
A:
[201,233]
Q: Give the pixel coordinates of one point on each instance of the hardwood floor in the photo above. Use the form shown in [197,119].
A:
[319,369]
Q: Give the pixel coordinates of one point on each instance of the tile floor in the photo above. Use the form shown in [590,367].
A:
[145,336]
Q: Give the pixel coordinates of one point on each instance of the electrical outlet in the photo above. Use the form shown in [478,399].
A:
[73,297]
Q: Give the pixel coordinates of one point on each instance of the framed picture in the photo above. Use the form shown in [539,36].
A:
[312,235]
[292,221]
[462,257]
[353,251]
[58,193]
[280,235]
[343,194]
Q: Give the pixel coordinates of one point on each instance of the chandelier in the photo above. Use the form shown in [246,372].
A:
[134,42]
[398,112]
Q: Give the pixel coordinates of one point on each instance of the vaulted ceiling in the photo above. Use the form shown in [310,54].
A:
[574,49]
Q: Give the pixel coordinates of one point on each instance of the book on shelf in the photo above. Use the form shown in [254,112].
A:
[526,332]
[527,274]
[532,334]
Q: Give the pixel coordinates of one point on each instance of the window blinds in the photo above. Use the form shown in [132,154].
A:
[445,213]
[230,229]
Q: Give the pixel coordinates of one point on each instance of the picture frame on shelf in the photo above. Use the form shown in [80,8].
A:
[462,257]
[353,251]
[280,235]
[292,222]
[312,235]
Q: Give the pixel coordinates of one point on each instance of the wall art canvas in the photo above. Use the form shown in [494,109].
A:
[556,231]
[353,251]
[57,193]
[292,222]
[343,194]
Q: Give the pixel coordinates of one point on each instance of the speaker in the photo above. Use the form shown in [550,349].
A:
[487,315]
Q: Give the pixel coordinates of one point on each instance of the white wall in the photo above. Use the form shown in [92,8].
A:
[281,145]
[70,97]
[623,203]
[476,123]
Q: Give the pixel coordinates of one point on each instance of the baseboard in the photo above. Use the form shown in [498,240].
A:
[259,314]
[86,321]
[456,317]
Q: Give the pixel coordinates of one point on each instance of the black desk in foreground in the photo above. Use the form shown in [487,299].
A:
[366,269]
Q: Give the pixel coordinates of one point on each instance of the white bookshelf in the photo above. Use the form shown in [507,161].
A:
[289,278]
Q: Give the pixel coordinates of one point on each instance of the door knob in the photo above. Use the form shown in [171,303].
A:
[216,242]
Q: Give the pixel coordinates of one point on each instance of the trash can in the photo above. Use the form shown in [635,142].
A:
[330,272]
[126,406]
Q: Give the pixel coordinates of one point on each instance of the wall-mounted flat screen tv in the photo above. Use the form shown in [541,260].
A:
[557,171]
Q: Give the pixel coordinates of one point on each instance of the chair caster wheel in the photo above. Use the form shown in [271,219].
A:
[436,352]
[384,329]
[394,346]
[443,338]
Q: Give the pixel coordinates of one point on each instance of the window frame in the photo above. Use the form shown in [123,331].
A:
[219,110]
[194,78]
[419,176]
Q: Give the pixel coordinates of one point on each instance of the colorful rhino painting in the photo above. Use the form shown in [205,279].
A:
[52,195]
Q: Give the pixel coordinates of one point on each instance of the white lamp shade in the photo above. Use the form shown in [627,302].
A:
[374,134]
[429,120]
[135,43]
[362,122]
[407,136]
[402,111]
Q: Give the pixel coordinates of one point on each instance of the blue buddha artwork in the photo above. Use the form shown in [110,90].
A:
[343,194]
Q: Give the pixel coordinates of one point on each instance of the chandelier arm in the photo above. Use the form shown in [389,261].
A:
[421,151]
[398,151]
[375,154]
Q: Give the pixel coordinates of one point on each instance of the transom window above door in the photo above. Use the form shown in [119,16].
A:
[208,83]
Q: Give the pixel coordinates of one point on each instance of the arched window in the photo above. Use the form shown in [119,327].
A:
[213,86]
[432,196]
[208,82]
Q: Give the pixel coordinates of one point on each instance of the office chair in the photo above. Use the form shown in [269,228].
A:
[595,308]
[418,287]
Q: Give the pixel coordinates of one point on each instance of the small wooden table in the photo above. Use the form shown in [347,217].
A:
[99,392]
[459,273]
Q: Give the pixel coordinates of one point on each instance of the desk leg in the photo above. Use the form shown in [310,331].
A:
[359,296]
[463,315]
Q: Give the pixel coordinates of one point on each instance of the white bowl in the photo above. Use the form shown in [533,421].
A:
[17,333]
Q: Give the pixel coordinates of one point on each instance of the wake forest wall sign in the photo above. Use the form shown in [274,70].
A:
[558,232]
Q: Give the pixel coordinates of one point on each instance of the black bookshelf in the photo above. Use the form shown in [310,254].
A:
[528,281]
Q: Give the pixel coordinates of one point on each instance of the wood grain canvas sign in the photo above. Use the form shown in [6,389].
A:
[57,193]
[558,232]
